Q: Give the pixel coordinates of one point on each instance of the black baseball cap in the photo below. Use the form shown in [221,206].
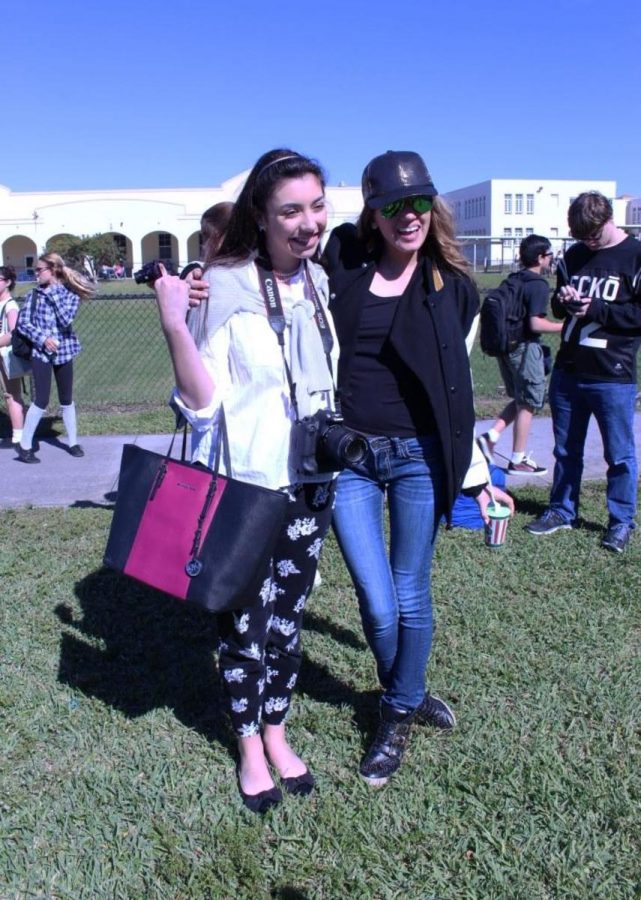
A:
[395,175]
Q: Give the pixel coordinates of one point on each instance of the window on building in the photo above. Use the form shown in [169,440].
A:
[121,242]
[507,204]
[164,245]
[518,233]
[518,204]
[555,199]
[554,232]
[529,204]
[529,231]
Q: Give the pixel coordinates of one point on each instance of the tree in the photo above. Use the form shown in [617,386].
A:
[87,253]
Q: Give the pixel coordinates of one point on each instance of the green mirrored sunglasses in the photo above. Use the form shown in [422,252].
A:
[420,205]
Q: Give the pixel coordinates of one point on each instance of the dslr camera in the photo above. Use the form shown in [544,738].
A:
[150,272]
[325,444]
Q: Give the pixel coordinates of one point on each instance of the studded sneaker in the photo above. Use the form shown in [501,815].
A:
[436,712]
[386,752]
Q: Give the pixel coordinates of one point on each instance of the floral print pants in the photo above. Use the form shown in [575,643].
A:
[259,649]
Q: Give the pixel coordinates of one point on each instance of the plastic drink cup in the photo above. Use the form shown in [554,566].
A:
[496,528]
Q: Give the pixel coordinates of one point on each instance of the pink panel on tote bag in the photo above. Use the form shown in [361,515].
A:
[164,540]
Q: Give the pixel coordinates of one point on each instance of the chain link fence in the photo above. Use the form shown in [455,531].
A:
[124,364]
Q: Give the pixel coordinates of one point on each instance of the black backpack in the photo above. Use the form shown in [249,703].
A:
[503,317]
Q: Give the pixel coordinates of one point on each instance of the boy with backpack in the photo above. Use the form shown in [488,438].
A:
[511,324]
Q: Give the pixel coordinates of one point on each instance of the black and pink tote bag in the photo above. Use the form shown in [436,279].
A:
[185,530]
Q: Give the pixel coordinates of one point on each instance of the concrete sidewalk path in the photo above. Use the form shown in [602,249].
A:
[61,480]
[541,445]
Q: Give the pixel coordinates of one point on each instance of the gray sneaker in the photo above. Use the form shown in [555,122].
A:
[547,523]
[616,538]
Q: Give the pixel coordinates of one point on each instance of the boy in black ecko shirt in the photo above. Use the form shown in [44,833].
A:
[595,369]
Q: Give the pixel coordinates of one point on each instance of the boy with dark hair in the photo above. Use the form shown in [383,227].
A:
[522,369]
[595,369]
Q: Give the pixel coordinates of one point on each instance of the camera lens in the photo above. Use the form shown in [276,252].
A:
[342,446]
[353,449]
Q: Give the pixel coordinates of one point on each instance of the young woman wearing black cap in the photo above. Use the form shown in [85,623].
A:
[405,311]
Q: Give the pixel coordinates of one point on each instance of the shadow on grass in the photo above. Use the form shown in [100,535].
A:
[136,650]
[288,893]
[339,633]
[316,681]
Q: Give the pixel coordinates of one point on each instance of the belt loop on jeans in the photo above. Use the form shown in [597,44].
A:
[398,446]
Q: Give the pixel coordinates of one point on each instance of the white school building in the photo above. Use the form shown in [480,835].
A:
[147,224]
[492,216]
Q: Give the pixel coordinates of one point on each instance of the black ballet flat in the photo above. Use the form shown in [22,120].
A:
[261,802]
[299,785]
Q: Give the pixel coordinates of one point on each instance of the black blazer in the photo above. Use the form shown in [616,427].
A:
[428,333]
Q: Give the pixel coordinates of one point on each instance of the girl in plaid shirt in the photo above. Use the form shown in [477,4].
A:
[46,319]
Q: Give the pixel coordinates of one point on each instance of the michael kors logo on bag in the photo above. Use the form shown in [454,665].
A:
[187,487]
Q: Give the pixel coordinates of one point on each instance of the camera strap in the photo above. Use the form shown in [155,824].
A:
[276,317]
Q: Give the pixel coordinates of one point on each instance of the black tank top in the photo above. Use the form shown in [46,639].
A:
[385,397]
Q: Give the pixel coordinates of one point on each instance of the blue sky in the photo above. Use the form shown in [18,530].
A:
[141,94]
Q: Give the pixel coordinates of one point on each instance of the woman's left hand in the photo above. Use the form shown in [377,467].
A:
[198,289]
[484,499]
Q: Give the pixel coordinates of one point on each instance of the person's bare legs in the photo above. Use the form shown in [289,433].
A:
[287,763]
[522,423]
[15,408]
[488,441]
[507,416]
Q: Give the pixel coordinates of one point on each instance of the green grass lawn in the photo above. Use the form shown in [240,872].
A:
[117,767]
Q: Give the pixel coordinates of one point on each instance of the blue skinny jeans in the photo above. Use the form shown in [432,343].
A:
[393,589]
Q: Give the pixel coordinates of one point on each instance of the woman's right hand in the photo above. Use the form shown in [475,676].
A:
[50,345]
[172,296]
[193,381]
